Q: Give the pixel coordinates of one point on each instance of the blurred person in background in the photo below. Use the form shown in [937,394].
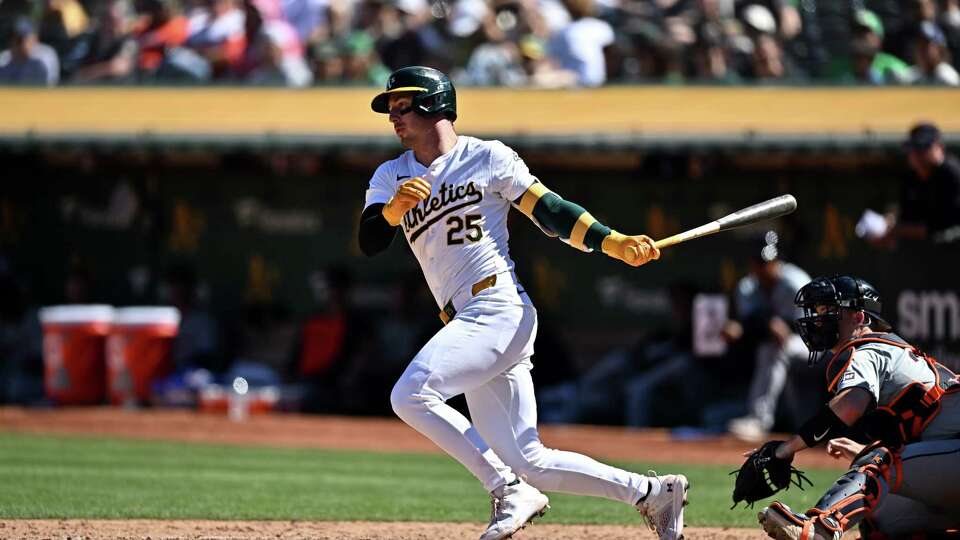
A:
[786,18]
[929,207]
[108,52]
[397,335]
[395,26]
[197,344]
[28,61]
[310,18]
[768,61]
[540,70]
[949,22]
[264,345]
[931,58]
[764,312]
[334,351]
[579,46]
[900,40]
[623,386]
[499,59]
[273,54]
[326,62]
[361,64]
[709,57]
[62,22]
[195,352]
[867,63]
[21,345]
[161,28]
[216,32]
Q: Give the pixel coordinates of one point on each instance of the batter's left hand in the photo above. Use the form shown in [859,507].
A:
[639,250]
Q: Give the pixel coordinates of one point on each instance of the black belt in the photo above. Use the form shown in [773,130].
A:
[449,312]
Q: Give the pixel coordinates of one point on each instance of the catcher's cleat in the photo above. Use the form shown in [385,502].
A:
[781,523]
[663,512]
[513,506]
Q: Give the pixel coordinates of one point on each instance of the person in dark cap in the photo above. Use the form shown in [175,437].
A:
[929,206]
[764,313]
[28,61]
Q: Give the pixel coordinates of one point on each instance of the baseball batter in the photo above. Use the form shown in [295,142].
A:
[906,482]
[450,195]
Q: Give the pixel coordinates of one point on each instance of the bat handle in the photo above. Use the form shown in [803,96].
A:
[667,242]
[702,230]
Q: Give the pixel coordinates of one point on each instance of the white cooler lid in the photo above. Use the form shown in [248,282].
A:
[77,314]
[147,315]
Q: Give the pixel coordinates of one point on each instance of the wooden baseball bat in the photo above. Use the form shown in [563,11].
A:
[773,208]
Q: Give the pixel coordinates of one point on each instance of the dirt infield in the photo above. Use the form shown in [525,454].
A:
[350,433]
[352,530]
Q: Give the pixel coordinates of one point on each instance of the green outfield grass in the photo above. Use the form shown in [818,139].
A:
[78,477]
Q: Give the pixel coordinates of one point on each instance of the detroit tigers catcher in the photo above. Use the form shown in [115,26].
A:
[450,194]
[900,404]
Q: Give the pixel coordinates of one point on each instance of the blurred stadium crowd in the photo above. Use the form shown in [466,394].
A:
[521,43]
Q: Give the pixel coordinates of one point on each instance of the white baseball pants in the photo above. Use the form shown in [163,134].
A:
[484,353]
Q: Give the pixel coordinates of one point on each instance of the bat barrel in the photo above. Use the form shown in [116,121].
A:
[770,209]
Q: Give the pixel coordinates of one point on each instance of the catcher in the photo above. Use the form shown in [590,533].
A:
[905,482]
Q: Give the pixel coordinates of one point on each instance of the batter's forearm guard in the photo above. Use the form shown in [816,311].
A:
[563,218]
[374,233]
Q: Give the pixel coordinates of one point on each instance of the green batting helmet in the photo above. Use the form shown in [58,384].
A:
[434,91]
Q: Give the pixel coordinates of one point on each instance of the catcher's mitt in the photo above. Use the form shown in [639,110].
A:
[764,474]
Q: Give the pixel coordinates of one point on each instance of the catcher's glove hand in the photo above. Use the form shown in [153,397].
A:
[764,474]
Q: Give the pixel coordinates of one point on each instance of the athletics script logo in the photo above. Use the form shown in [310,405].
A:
[449,199]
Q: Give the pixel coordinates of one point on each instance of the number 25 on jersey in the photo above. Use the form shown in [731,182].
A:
[467,227]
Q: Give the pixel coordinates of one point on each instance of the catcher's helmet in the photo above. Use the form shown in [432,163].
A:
[821,331]
[434,91]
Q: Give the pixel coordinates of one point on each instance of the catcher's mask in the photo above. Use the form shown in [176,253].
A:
[821,330]
[433,92]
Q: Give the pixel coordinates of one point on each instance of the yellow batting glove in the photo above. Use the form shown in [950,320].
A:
[633,250]
[408,195]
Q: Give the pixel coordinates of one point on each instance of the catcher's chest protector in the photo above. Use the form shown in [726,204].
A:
[905,417]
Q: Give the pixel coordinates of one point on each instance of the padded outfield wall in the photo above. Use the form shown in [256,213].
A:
[261,190]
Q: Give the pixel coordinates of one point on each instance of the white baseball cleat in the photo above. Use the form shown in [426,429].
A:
[781,523]
[663,512]
[513,506]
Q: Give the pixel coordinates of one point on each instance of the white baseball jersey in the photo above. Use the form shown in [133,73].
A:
[459,234]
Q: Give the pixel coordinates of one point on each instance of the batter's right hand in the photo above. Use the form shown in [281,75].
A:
[633,250]
[409,194]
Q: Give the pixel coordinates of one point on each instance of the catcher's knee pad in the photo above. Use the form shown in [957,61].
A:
[873,474]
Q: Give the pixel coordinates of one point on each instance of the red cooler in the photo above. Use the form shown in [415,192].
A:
[73,352]
[138,351]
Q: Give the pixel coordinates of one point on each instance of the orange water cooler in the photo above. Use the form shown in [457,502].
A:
[139,352]
[74,337]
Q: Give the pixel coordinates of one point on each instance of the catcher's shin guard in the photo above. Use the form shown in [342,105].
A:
[782,523]
[875,472]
